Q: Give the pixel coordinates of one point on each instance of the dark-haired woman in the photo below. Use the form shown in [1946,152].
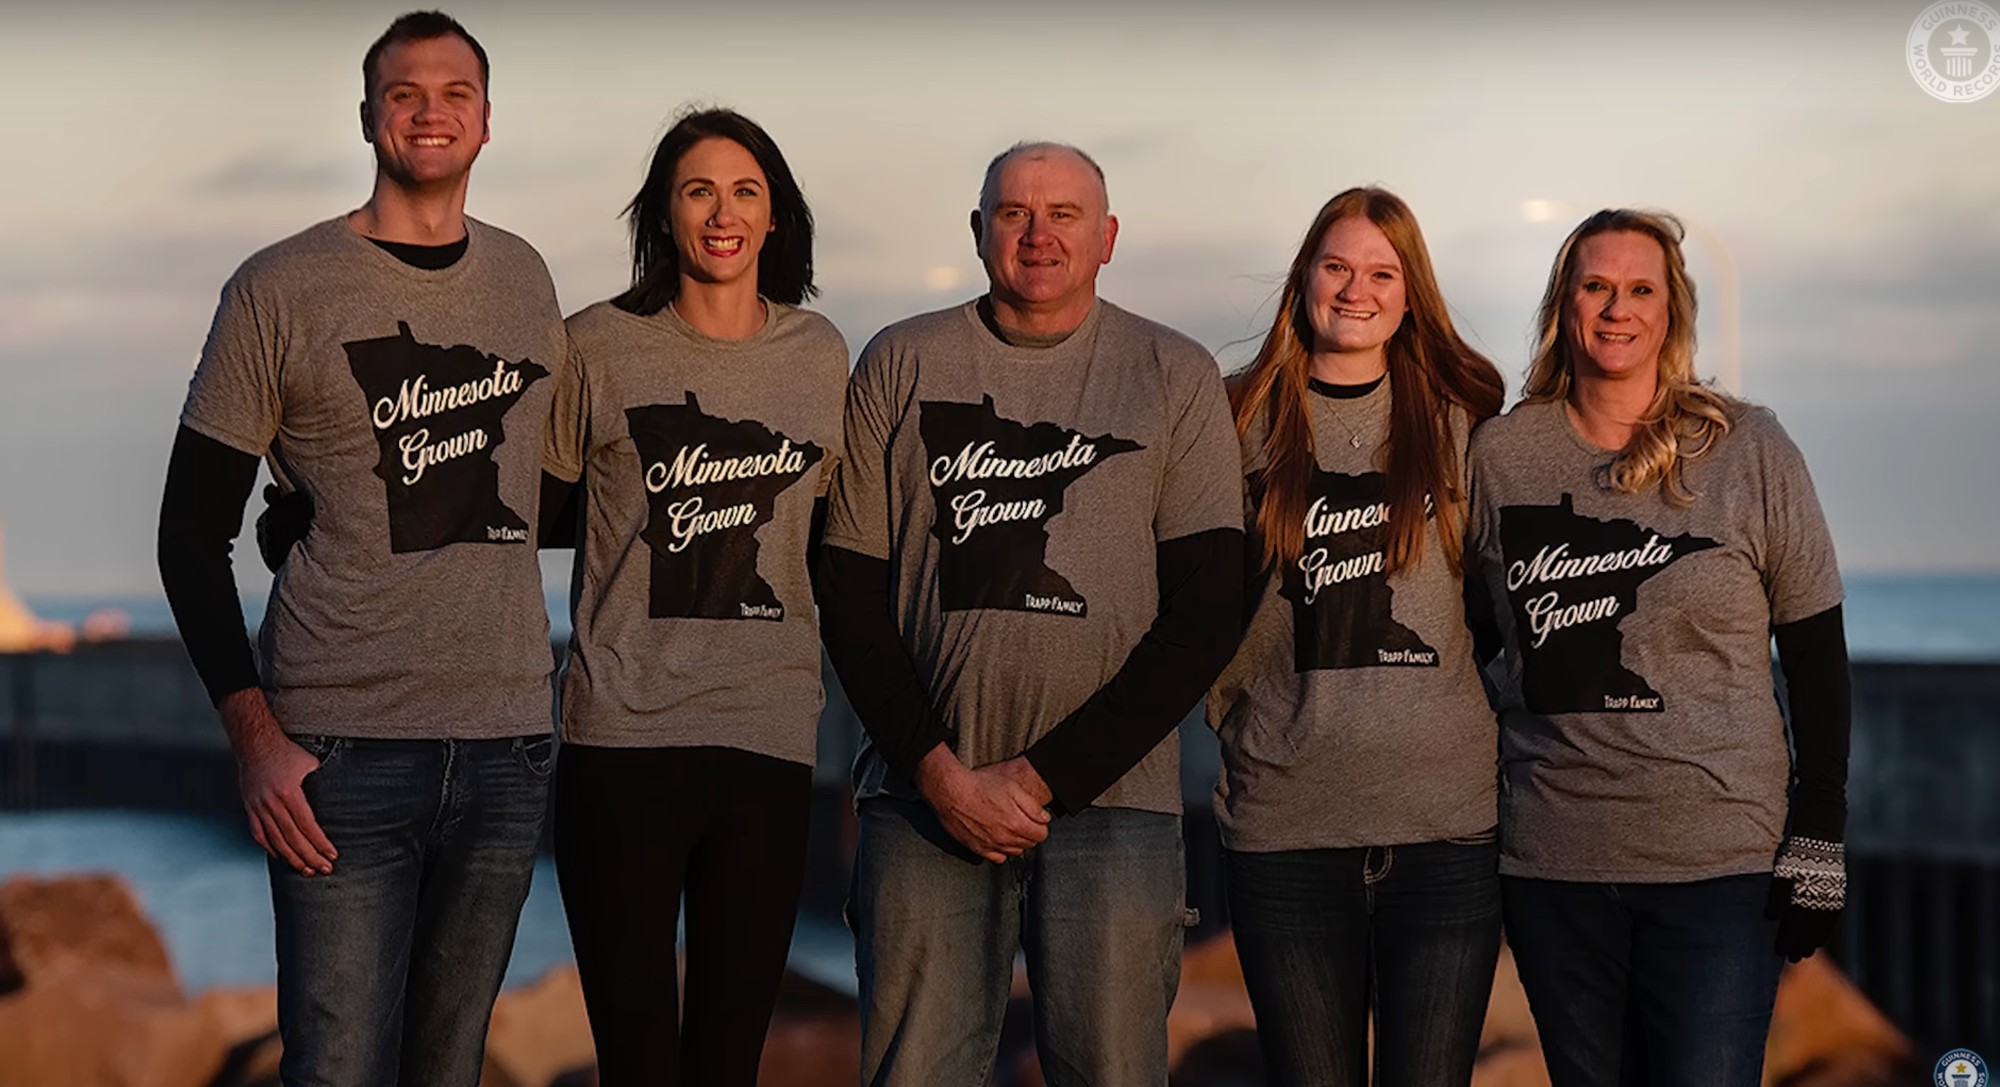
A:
[1357,792]
[1664,844]
[703,414]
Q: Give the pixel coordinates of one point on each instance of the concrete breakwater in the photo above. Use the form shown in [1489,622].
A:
[127,725]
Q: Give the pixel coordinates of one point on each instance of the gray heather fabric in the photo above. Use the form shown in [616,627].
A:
[1353,714]
[1017,494]
[692,610]
[411,405]
[1640,739]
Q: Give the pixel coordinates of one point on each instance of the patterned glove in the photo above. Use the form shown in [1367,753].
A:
[1808,889]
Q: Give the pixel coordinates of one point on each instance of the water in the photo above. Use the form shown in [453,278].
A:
[1933,617]
[203,883]
[150,616]
[1904,617]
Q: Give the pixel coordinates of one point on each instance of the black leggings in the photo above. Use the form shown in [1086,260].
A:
[635,830]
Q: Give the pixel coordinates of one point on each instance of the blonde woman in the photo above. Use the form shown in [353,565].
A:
[1357,794]
[1666,837]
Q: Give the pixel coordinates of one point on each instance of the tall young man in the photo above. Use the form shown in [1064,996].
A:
[1033,569]
[393,732]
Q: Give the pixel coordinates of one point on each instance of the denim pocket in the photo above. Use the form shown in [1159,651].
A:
[537,753]
[323,748]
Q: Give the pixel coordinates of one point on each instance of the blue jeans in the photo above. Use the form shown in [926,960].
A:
[1412,931]
[388,967]
[1099,909]
[1647,983]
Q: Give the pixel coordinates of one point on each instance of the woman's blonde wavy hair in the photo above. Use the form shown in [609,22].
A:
[1686,417]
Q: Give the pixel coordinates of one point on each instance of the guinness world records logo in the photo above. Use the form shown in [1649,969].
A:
[1953,50]
[1961,1068]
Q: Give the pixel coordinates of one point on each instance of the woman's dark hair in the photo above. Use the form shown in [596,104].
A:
[784,266]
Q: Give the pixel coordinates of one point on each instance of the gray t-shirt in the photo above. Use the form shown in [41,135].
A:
[1640,736]
[411,406]
[1353,714]
[1017,494]
[692,608]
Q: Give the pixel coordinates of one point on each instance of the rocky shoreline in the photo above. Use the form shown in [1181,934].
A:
[89,996]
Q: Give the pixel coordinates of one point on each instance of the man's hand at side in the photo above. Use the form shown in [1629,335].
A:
[271,770]
[992,811]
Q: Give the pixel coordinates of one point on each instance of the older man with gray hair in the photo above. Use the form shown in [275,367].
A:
[1033,569]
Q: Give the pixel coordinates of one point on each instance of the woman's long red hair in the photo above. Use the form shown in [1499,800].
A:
[1431,369]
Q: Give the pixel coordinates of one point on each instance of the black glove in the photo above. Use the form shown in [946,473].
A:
[1808,889]
[286,518]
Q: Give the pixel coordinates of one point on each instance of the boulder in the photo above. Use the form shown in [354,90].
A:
[815,1037]
[540,1037]
[76,1023]
[252,1063]
[1211,1001]
[1508,1020]
[1212,962]
[539,1033]
[819,1050]
[1824,1033]
[91,993]
[1228,1059]
[246,1019]
[91,920]
[1511,1065]
[240,1013]
[88,994]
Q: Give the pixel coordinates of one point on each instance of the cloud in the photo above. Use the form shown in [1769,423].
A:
[268,172]
[68,320]
[188,256]
[115,289]
[1926,302]
[1129,147]
[1873,336]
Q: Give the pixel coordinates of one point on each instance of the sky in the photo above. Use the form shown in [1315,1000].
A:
[152,148]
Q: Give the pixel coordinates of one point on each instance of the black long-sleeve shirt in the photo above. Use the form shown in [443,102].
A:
[201,513]
[1188,644]
[1812,654]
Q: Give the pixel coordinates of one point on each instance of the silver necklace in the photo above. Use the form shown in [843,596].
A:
[1353,437]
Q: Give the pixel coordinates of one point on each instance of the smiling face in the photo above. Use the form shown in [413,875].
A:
[1043,232]
[1354,292]
[1618,306]
[426,112]
[720,212]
